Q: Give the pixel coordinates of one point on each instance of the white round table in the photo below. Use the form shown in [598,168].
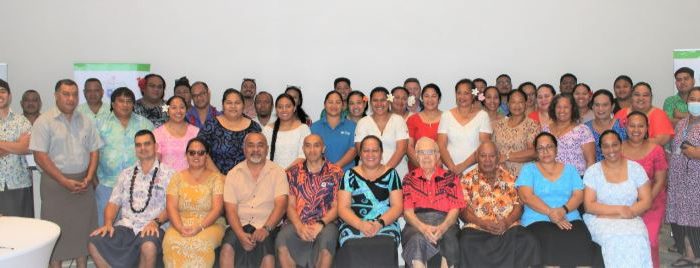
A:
[26,242]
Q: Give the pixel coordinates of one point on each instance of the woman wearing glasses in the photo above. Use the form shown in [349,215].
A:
[194,201]
[551,191]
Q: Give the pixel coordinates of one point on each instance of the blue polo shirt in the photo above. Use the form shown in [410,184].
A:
[338,140]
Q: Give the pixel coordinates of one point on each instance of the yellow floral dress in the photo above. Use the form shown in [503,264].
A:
[194,202]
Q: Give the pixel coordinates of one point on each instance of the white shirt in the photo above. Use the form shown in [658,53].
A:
[463,140]
[289,144]
[394,131]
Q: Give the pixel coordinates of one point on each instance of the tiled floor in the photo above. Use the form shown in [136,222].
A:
[665,242]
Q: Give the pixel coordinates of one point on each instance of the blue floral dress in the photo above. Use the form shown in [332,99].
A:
[624,242]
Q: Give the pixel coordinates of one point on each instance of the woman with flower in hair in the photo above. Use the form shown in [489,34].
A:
[357,105]
[424,123]
[399,102]
[462,129]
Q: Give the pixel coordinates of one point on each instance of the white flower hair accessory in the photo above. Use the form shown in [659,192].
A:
[390,98]
[475,92]
[164,108]
[411,101]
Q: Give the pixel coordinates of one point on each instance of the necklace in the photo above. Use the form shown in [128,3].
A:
[131,190]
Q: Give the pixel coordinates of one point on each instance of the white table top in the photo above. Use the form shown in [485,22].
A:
[20,235]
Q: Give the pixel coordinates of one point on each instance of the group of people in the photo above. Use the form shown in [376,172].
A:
[507,178]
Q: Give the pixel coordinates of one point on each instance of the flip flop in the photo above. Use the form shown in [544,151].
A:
[682,263]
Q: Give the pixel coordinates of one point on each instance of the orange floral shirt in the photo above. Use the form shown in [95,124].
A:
[490,201]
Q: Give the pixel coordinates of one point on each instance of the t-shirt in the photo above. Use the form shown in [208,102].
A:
[338,140]
[289,144]
[463,140]
[554,194]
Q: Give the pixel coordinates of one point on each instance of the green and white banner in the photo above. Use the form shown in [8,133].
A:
[112,76]
[687,58]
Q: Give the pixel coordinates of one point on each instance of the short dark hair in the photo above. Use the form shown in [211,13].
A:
[464,81]
[170,100]
[547,86]
[92,79]
[182,81]
[65,82]
[378,90]
[513,92]
[200,140]
[144,132]
[246,80]
[149,76]
[340,79]
[399,88]
[200,83]
[503,75]
[583,85]
[604,92]
[623,78]
[434,87]
[480,80]
[371,137]
[5,85]
[528,83]
[553,107]
[686,70]
[411,80]
[608,132]
[639,84]
[261,93]
[29,91]
[545,134]
[569,75]
[121,91]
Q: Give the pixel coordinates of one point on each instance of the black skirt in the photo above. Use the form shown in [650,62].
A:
[515,248]
[123,249]
[566,248]
[378,251]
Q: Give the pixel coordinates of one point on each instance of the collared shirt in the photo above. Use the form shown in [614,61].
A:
[314,193]
[102,112]
[490,201]
[440,192]
[13,167]
[118,151]
[675,103]
[192,116]
[338,140]
[154,114]
[142,181]
[68,143]
[255,198]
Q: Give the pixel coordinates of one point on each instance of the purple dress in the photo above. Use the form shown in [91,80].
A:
[683,202]
[569,149]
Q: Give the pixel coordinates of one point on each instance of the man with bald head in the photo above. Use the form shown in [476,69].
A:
[309,236]
[432,199]
[255,199]
[493,236]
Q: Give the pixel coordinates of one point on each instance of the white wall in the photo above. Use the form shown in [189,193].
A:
[309,43]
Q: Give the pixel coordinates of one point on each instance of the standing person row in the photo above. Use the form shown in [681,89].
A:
[65,145]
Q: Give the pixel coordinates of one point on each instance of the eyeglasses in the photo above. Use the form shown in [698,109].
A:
[547,148]
[425,152]
[199,153]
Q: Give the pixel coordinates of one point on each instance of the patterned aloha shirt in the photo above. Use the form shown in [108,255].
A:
[156,205]
[154,114]
[13,167]
[118,151]
[314,193]
[490,201]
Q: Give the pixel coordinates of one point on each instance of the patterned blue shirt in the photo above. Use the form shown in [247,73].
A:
[118,151]
[13,167]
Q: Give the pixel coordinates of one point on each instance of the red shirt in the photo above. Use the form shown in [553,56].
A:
[442,192]
[659,124]
[418,129]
